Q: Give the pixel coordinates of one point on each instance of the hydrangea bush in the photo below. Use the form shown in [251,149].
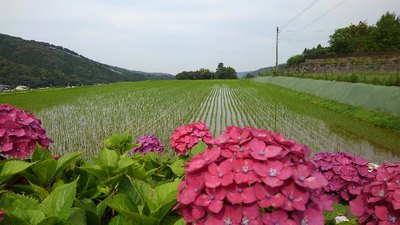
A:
[347,175]
[379,202]
[20,132]
[252,176]
[184,138]
[148,143]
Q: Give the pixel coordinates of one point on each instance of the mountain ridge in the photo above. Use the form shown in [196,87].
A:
[40,64]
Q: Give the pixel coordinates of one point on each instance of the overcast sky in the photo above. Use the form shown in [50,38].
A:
[175,35]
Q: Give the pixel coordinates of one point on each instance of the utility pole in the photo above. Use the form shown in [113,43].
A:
[276,56]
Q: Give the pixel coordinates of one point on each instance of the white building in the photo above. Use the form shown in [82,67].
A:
[21,88]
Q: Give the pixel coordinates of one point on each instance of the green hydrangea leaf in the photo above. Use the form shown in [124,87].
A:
[76,216]
[45,170]
[123,205]
[177,167]
[120,220]
[60,201]
[65,160]
[41,154]
[199,148]
[11,201]
[10,168]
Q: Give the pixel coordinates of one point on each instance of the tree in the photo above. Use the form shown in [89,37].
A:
[319,50]
[385,36]
[354,38]
[249,75]
[225,72]
[204,74]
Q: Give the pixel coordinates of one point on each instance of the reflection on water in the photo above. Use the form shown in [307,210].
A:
[321,138]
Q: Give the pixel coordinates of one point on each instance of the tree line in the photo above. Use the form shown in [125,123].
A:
[360,38]
[221,72]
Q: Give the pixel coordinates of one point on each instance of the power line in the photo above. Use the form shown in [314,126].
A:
[300,13]
[291,20]
[318,18]
[309,31]
[303,40]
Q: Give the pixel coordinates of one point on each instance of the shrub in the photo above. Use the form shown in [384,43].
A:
[295,60]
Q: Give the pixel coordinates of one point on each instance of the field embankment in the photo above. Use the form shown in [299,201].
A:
[90,114]
[373,97]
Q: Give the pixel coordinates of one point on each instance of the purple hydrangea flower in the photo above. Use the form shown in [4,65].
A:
[148,143]
[347,175]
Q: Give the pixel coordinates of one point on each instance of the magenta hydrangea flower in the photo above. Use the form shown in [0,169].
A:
[20,132]
[347,175]
[184,138]
[148,143]
[2,213]
[378,202]
[251,176]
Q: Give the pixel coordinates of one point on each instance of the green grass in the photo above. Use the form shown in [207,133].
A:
[38,99]
[79,118]
[367,77]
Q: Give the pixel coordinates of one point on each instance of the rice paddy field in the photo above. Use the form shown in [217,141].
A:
[78,119]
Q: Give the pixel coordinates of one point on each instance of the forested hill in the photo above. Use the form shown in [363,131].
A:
[39,64]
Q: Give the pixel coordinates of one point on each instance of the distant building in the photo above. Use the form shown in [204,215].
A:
[21,88]
[4,87]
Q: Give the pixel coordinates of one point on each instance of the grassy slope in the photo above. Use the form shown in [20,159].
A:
[372,97]
[346,119]
[340,117]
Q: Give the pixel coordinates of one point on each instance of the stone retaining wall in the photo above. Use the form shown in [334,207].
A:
[389,63]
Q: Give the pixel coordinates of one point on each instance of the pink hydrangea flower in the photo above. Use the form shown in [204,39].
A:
[252,176]
[213,199]
[184,138]
[378,202]
[203,159]
[279,217]
[20,132]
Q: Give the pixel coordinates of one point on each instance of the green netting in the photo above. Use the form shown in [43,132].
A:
[374,97]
